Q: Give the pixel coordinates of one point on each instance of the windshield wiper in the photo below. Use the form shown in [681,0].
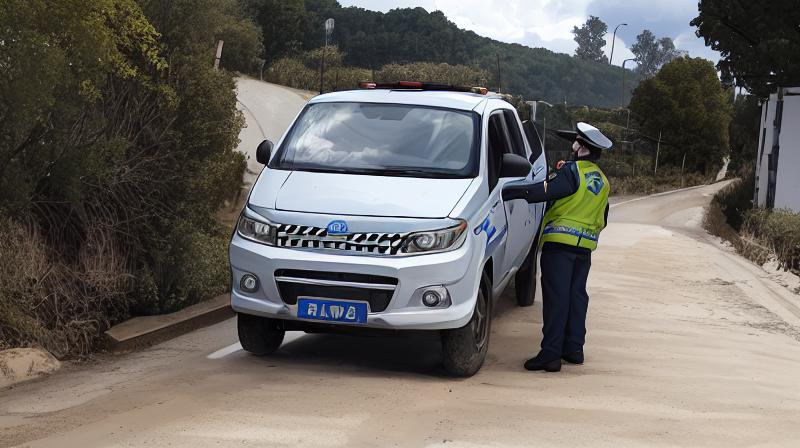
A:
[403,170]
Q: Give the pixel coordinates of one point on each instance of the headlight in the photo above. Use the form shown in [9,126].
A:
[450,238]
[258,231]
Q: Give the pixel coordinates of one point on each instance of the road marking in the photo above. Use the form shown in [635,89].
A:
[233,348]
[663,193]
[223,352]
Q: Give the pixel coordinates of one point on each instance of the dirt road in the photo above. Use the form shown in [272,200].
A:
[268,110]
[688,345]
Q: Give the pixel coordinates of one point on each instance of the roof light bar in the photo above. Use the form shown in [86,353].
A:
[415,85]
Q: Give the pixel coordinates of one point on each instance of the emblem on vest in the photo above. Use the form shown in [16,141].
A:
[594,182]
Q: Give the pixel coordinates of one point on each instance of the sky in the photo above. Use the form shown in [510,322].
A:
[549,23]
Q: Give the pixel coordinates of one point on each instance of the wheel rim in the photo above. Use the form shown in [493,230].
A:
[480,322]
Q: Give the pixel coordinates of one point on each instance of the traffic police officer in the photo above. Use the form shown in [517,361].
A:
[577,193]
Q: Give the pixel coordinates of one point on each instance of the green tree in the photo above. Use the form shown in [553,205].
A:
[283,25]
[590,40]
[686,102]
[744,131]
[117,148]
[758,41]
[371,40]
[651,53]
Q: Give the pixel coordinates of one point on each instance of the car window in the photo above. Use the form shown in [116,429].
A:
[517,145]
[498,145]
[382,139]
[534,139]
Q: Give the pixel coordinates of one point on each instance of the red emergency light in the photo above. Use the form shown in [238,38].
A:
[416,85]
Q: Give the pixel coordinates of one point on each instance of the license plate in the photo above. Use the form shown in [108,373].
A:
[332,310]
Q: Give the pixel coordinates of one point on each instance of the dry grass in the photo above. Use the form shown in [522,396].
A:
[757,234]
[59,306]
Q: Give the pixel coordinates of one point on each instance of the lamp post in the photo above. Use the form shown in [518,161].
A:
[613,41]
[622,91]
[328,31]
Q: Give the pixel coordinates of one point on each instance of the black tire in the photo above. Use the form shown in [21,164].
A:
[525,278]
[465,348]
[259,335]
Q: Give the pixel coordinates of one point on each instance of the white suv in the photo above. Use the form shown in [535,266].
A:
[381,208]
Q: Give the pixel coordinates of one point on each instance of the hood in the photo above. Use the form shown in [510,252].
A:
[348,194]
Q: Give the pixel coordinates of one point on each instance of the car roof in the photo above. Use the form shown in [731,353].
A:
[432,98]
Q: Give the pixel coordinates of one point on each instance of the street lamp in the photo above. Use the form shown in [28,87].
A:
[613,41]
[328,32]
[622,92]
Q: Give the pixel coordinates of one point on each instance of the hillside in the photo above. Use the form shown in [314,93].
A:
[371,39]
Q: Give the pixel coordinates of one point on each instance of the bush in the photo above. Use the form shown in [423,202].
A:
[759,233]
[61,307]
[778,230]
[112,167]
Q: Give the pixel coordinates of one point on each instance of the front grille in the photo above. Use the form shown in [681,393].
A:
[317,238]
[373,289]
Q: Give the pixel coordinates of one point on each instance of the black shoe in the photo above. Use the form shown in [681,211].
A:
[574,357]
[548,366]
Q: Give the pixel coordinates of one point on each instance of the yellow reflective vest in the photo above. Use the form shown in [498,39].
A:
[578,219]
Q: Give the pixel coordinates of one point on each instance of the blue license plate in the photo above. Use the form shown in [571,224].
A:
[332,310]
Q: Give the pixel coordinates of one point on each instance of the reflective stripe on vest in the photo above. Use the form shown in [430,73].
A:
[578,219]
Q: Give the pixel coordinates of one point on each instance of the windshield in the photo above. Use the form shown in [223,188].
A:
[383,139]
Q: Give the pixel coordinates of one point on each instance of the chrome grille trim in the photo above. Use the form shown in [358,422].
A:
[312,281]
[297,236]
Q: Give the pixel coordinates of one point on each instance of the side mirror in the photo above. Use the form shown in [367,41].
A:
[263,152]
[515,166]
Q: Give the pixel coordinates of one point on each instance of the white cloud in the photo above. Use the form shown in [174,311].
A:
[549,23]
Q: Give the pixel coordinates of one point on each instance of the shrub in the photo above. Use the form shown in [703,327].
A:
[112,166]
[778,230]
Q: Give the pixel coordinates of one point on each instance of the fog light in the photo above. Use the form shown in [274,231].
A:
[249,283]
[431,298]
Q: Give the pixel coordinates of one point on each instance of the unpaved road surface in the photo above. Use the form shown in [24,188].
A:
[268,110]
[688,345]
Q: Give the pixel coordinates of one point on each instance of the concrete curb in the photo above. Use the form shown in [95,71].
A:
[145,331]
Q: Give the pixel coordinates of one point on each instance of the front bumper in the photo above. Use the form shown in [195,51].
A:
[458,270]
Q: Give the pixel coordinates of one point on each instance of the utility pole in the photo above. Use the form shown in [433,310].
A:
[613,41]
[220,43]
[622,91]
[658,150]
[499,84]
[683,164]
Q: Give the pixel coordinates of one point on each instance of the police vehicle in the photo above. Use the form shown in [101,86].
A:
[381,208]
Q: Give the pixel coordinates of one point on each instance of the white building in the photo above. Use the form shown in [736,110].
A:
[778,159]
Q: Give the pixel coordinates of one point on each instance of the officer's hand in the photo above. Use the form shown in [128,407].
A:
[515,190]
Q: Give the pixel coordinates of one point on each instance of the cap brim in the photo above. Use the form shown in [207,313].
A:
[567,135]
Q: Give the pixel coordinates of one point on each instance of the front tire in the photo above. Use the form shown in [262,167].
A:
[465,348]
[259,335]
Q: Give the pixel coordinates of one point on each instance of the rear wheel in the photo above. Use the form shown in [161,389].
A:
[259,335]
[525,278]
[465,348]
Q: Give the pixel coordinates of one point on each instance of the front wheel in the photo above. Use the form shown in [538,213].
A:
[465,348]
[259,335]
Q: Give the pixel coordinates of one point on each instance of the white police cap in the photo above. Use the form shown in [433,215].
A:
[588,134]
[593,136]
